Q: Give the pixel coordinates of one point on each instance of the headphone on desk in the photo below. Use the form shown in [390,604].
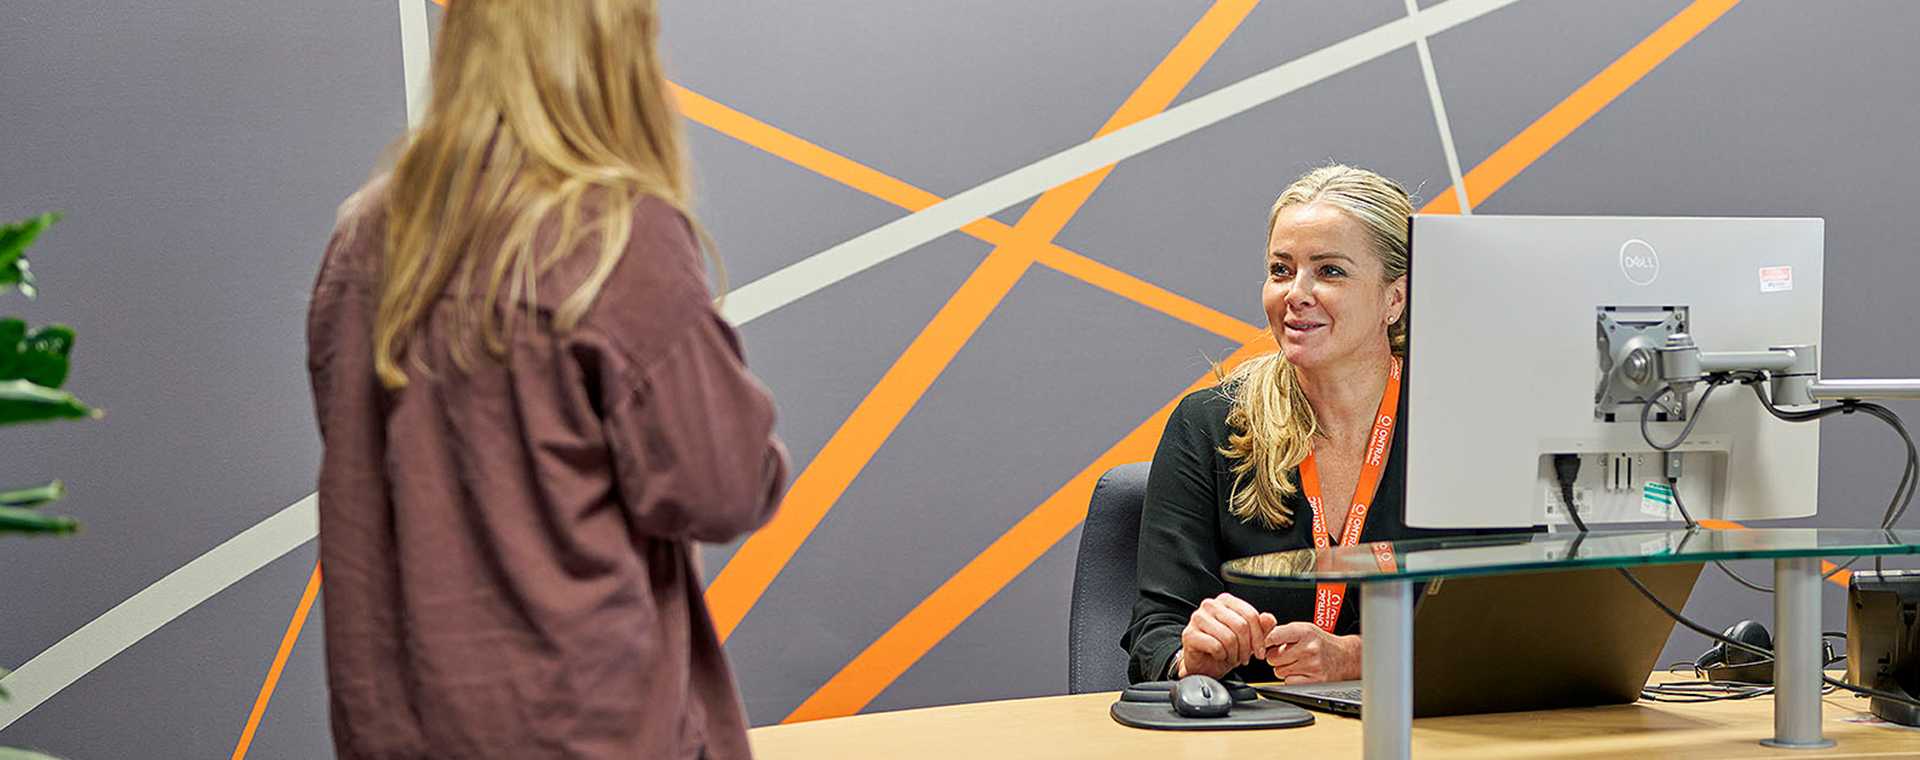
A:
[1731,661]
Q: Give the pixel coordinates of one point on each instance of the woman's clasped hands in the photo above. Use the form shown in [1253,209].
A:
[1226,632]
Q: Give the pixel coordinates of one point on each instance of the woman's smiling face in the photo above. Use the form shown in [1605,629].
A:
[1326,294]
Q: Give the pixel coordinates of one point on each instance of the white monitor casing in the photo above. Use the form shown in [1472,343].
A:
[1502,366]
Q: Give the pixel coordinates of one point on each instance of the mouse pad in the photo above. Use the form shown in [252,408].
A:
[1256,712]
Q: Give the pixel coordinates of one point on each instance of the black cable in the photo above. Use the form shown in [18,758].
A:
[1760,587]
[1566,493]
[1896,508]
[1674,485]
[1566,469]
[1902,493]
[1698,409]
[1910,476]
[1712,690]
[1693,692]
[1751,649]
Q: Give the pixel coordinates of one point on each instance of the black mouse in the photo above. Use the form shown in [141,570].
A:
[1200,696]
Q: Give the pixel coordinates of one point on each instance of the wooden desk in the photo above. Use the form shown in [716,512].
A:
[1078,727]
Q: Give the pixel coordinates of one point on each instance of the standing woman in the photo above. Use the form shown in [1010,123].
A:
[531,411]
[1297,448]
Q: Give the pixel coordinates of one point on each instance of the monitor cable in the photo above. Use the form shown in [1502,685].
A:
[1567,468]
[1896,507]
[1751,649]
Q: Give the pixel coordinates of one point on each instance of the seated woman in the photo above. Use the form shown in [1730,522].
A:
[1291,450]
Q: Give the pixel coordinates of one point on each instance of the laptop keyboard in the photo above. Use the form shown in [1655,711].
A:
[1349,694]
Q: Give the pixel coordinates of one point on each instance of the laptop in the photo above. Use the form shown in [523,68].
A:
[1532,641]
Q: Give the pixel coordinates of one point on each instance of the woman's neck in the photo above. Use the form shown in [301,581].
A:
[1345,396]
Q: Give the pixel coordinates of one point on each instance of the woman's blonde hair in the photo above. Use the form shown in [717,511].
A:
[1273,426]
[545,117]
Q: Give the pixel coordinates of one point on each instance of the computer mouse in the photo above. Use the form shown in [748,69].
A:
[1200,696]
[1160,692]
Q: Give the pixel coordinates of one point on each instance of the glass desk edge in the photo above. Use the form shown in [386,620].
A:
[1897,542]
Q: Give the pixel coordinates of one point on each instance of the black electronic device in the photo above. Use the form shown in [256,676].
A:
[1200,703]
[1200,697]
[1724,663]
[1161,692]
[1883,639]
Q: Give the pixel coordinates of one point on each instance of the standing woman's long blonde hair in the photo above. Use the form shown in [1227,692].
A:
[544,114]
[1273,426]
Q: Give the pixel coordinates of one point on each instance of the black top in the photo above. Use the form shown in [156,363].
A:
[1187,530]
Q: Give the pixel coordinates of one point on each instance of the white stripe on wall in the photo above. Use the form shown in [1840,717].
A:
[823,269]
[1440,116]
[181,590]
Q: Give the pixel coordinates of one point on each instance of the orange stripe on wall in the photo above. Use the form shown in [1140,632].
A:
[826,163]
[279,662]
[907,641]
[819,486]
[739,585]
[802,153]
[1148,294]
[1054,208]
[933,619]
[1547,131]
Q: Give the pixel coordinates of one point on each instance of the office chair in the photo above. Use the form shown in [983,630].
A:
[1103,582]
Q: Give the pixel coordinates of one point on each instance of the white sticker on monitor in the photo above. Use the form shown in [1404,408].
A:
[1776,279]
[1582,500]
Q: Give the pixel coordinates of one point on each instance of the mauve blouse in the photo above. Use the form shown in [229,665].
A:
[508,549]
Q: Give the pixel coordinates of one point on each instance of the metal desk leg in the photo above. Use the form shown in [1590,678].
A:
[1386,669]
[1796,654]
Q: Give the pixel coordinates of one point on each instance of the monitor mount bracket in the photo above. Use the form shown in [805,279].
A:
[1646,352]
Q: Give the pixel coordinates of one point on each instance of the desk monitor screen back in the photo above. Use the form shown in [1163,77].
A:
[1509,316]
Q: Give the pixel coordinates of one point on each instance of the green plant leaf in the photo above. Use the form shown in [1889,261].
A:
[14,240]
[35,496]
[17,520]
[22,401]
[40,358]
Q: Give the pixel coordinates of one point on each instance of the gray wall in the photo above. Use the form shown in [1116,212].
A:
[199,149]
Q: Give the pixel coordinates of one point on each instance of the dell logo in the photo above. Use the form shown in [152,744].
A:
[1639,262]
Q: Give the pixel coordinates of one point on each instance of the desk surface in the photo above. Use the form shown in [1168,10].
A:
[1078,727]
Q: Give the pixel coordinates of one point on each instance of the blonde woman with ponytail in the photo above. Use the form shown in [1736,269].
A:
[530,410]
[1286,450]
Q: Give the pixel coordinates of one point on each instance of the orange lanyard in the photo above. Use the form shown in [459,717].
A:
[1328,596]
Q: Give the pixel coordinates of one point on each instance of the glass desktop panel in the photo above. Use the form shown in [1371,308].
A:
[1427,558]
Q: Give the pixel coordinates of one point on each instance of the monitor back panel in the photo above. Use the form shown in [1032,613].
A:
[1503,363]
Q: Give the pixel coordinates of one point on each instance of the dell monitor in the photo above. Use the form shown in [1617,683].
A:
[1532,337]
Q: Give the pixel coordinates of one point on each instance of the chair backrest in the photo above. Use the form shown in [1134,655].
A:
[1104,586]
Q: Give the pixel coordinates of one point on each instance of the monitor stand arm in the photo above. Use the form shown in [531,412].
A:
[1792,373]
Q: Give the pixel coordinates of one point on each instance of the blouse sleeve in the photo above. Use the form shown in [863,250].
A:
[1179,559]
[693,443]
